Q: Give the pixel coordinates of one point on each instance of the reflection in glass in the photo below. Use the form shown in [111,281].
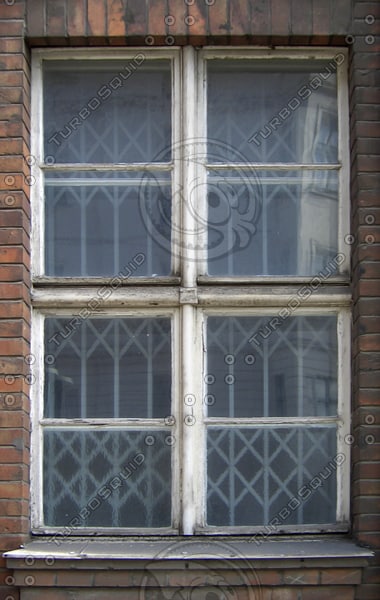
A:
[253,474]
[108,368]
[107,478]
[272,222]
[107,111]
[97,222]
[271,367]
[271,111]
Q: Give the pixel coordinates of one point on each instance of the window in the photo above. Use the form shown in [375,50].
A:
[190,287]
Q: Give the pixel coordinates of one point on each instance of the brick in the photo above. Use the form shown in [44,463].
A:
[260,18]
[367,112]
[280,594]
[75,578]
[11,146]
[13,491]
[371,575]
[218,18]
[178,11]
[368,270]
[368,592]
[239,17]
[136,18]
[362,9]
[12,254]
[367,523]
[12,96]
[116,18]
[365,77]
[340,577]
[12,62]
[40,579]
[12,199]
[328,592]
[96,14]
[14,419]
[368,146]
[297,577]
[13,310]
[369,343]
[280,17]
[11,346]
[13,525]
[369,252]
[368,217]
[14,291]
[14,273]
[364,129]
[366,470]
[156,18]
[16,439]
[365,95]
[13,237]
[301,18]
[270,577]
[366,487]
[14,328]
[76,18]
[321,17]
[56,18]
[364,451]
[368,163]
[11,45]
[11,28]
[35,18]
[11,473]
[12,11]
[369,287]
[365,505]
[367,397]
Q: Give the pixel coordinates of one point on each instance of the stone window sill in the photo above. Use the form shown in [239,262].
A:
[185,563]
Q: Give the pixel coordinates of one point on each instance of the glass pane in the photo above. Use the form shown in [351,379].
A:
[107,368]
[272,223]
[287,111]
[107,478]
[255,475]
[100,224]
[107,111]
[271,366]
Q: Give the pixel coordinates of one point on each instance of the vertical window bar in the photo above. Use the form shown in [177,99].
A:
[116,372]
[83,373]
[231,387]
[265,231]
[83,230]
[231,477]
[300,437]
[116,228]
[266,495]
[150,371]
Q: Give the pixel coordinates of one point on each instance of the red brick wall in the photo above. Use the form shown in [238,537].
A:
[365,148]
[159,22]
[14,287]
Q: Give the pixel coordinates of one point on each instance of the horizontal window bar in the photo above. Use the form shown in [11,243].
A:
[269,421]
[107,166]
[86,281]
[275,166]
[105,423]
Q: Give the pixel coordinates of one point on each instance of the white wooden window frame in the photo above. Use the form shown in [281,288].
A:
[189,295]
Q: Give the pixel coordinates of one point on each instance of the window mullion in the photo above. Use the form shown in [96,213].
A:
[189,150]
